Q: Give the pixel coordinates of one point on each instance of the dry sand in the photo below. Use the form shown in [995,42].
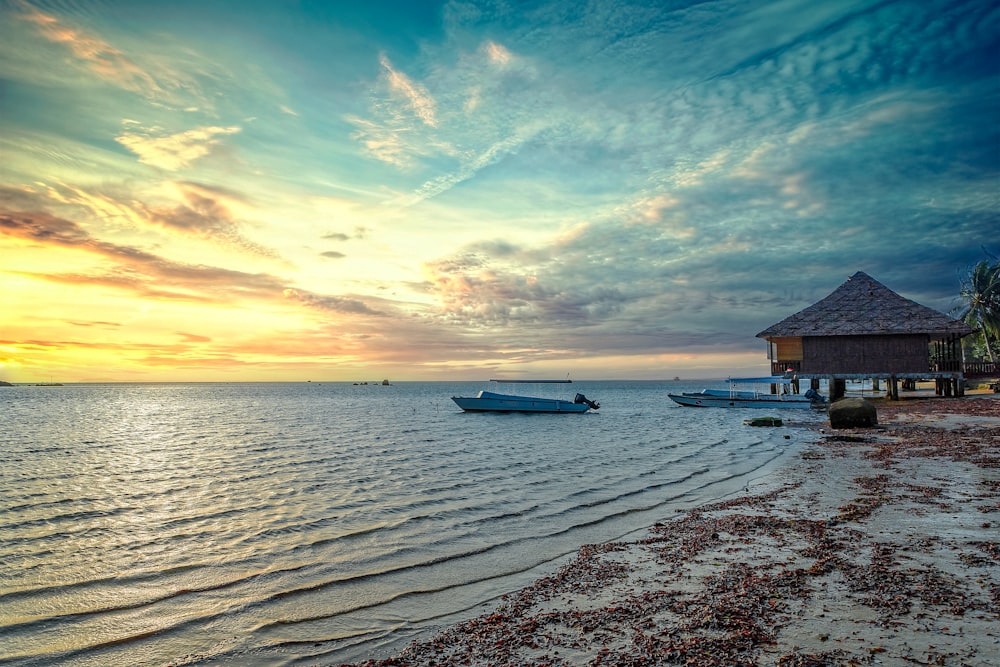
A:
[878,546]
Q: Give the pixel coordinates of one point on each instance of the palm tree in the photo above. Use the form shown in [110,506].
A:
[981,302]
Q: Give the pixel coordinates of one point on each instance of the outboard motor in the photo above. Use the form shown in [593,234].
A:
[580,398]
[815,397]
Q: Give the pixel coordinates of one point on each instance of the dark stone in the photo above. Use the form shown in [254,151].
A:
[853,413]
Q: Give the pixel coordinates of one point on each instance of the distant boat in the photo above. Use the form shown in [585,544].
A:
[754,397]
[489,401]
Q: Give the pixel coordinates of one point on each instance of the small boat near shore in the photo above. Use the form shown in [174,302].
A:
[751,393]
[490,401]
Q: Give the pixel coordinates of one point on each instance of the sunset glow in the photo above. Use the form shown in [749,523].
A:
[261,191]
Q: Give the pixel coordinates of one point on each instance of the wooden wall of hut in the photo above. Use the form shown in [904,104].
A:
[787,349]
[883,355]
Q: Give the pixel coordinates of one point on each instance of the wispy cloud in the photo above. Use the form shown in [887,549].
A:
[152,276]
[384,143]
[413,95]
[403,107]
[203,212]
[176,151]
[498,54]
[97,55]
[193,338]
[478,120]
[470,167]
[206,213]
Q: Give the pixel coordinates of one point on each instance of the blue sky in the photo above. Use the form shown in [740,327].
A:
[449,190]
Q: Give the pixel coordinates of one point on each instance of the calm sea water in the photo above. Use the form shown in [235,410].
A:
[316,523]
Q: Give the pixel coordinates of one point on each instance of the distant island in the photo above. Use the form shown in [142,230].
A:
[3,383]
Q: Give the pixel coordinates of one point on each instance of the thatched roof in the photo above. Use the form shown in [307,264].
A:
[864,306]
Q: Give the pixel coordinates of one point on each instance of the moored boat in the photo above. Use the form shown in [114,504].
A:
[490,401]
[758,395]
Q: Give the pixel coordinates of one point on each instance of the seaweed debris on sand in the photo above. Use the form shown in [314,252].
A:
[877,546]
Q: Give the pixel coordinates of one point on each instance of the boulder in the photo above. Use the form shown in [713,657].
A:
[853,413]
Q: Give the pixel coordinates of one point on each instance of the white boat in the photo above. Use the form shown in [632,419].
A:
[490,401]
[758,395]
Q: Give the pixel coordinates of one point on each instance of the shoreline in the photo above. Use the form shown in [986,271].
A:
[875,546]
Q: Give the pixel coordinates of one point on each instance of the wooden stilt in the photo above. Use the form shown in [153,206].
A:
[837,389]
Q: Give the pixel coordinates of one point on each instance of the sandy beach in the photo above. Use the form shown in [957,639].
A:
[875,546]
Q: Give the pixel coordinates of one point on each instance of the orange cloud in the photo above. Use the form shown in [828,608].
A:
[141,272]
[97,55]
[193,338]
[206,213]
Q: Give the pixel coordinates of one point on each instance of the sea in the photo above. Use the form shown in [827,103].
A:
[318,523]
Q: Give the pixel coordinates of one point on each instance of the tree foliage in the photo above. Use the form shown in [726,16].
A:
[980,309]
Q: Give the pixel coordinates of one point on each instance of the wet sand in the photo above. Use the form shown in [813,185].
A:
[876,546]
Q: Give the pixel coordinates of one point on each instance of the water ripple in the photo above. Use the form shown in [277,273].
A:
[144,523]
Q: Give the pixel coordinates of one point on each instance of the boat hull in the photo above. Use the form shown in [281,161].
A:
[714,401]
[487,401]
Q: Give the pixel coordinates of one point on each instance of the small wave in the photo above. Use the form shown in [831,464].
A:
[54,520]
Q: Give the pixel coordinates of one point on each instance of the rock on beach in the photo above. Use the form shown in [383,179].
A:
[853,413]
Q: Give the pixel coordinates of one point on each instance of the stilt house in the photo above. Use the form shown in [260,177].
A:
[864,330]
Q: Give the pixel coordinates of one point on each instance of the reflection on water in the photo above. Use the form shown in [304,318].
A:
[272,522]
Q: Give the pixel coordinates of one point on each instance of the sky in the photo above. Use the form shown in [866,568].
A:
[292,190]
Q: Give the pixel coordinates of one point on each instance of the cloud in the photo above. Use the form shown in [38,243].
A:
[206,213]
[174,152]
[159,65]
[400,101]
[100,57]
[97,323]
[383,142]
[193,338]
[498,54]
[498,284]
[471,166]
[143,273]
[412,94]
[479,119]
[338,304]
[43,228]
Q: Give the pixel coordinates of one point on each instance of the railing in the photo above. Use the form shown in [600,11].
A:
[945,366]
[981,369]
[781,367]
